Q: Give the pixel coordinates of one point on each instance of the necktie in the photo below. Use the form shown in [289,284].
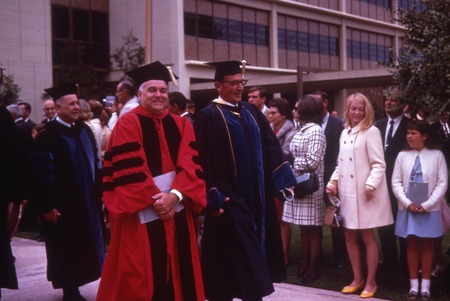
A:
[391,130]
[416,172]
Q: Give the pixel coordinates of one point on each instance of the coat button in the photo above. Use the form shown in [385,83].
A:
[350,158]
[351,176]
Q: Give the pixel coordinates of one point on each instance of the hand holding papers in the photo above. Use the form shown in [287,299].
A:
[164,183]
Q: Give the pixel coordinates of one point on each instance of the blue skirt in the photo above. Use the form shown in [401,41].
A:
[427,225]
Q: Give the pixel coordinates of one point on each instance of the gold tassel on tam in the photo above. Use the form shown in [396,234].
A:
[172,76]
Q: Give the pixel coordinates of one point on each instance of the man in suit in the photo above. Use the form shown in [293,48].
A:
[393,134]
[26,109]
[24,144]
[258,97]
[332,127]
[440,135]
[49,110]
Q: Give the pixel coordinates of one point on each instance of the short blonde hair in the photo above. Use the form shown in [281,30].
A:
[368,120]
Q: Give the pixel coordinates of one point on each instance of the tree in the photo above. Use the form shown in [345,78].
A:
[422,69]
[9,91]
[74,69]
[131,55]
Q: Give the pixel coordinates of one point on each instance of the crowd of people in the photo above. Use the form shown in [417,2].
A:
[163,202]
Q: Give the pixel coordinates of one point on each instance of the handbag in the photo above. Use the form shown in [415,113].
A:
[307,183]
[332,217]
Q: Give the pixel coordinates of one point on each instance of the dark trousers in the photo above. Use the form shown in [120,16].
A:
[391,255]
[338,240]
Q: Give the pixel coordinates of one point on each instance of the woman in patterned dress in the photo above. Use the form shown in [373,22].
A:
[308,149]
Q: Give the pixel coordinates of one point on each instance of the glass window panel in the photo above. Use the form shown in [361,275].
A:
[380,53]
[190,28]
[302,41]
[291,39]
[349,48]
[334,46]
[60,22]
[324,47]
[262,34]
[88,50]
[365,50]
[249,33]
[282,38]
[220,29]
[100,32]
[235,30]
[313,42]
[81,25]
[373,52]
[356,49]
[57,48]
[205,26]
[101,56]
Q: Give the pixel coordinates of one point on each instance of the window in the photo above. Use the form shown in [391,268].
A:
[374,50]
[85,28]
[227,30]
[303,41]
[409,4]
[60,22]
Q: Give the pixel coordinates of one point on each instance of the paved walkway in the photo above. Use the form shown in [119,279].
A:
[33,284]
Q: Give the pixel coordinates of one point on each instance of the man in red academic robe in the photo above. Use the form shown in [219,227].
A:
[158,259]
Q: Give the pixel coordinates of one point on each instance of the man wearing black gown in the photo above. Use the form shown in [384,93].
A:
[68,196]
[243,163]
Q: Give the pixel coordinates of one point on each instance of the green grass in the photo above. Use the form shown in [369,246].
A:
[390,286]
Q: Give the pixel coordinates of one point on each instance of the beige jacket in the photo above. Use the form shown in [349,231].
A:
[360,163]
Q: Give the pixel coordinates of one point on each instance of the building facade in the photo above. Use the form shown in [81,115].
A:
[292,47]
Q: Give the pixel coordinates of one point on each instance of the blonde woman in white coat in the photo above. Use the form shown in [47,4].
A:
[360,179]
[419,223]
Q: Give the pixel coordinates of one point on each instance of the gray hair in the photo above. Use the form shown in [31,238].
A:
[15,110]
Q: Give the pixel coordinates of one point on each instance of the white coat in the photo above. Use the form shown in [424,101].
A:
[360,163]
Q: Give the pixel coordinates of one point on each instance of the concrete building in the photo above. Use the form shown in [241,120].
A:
[292,47]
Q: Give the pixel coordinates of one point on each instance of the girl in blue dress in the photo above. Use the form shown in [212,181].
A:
[419,182]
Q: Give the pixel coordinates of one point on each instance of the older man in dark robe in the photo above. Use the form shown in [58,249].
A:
[67,194]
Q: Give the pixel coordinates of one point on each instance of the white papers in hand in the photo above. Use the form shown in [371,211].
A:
[164,183]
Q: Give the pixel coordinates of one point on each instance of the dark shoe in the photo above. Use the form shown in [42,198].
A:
[425,296]
[301,272]
[340,264]
[412,295]
[74,298]
[308,278]
[72,294]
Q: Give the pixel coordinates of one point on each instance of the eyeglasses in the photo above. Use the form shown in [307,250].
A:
[236,82]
